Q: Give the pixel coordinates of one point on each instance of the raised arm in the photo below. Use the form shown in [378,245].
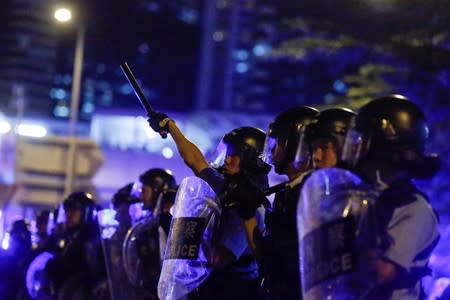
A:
[190,153]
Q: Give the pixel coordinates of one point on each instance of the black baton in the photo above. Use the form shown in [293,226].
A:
[139,93]
[137,89]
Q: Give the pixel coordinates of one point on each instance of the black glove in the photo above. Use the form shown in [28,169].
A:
[247,198]
[159,122]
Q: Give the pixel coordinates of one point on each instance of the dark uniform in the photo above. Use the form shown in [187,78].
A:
[157,193]
[280,248]
[14,261]
[77,264]
[390,136]
[241,195]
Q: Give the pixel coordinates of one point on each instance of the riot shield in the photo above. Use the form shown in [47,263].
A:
[336,231]
[141,255]
[191,238]
[38,284]
[113,234]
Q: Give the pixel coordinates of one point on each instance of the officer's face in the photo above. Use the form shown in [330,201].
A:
[147,196]
[278,155]
[73,218]
[231,164]
[324,153]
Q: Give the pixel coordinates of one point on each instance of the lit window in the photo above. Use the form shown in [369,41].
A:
[88,107]
[241,67]
[218,36]
[61,111]
[242,54]
[261,49]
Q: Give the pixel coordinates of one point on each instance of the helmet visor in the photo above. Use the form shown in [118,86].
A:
[136,189]
[352,150]
[269,149]
[303,152]
[219,155]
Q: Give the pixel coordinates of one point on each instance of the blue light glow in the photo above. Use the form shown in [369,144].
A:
[242,54]
[58,93]
[144,48]
[88,107]
[218,36]
[241,67]
[188,16]
[61,111]
[126,89]
[153,6]
[67,79]
[261,49]
[340,86]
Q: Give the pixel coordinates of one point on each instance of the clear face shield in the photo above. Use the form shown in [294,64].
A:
[354,148]
[303,152]
[270,145]
[108,222]
[218,158]
[136,211]
[136,189]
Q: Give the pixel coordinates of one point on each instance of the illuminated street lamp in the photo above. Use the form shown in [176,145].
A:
[64,15]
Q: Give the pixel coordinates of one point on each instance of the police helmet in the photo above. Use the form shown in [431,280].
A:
[285,132]
[159,179]
[124,196]
[395,129]
[248,143]
[20,234]
[20,226]
[81,201]
[332,124]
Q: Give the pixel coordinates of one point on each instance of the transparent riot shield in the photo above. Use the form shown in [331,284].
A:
[39,286]
[141,254]
[191,238]
[336,231]
[113,233]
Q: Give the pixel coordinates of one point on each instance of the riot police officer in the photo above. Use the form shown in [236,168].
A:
[145,241]
[238,178]
[114,225]
[77,262]
[14,260]
[327,136]
[386,147]
[280,241]
[158,193]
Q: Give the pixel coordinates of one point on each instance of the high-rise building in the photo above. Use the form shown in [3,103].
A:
[236,37]
[27,56]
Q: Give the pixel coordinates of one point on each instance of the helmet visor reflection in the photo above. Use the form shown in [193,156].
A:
[219,155]
[353,146]
[269,148]
[303,152]
[136,189]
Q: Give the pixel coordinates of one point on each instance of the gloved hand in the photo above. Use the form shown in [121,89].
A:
[247,198]
[159,123]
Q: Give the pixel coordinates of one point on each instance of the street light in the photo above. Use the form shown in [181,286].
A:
[64,15]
